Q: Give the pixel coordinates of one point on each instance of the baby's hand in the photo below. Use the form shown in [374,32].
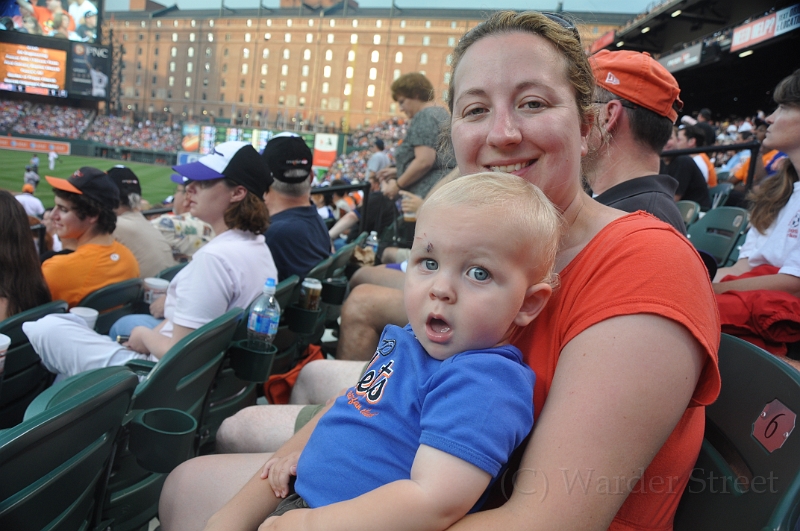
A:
[279,470]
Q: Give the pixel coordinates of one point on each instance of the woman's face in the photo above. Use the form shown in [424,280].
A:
[410,106]
[208,200]
[783,132]
[514,111]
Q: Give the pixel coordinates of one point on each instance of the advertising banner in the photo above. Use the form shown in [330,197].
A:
[683,59]
[89,71]
[325,149]
[42,146]
[765,28]
[32,69]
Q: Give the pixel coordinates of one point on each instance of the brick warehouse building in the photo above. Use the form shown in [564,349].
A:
[326,66]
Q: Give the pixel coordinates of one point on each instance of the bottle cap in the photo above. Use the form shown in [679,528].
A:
[269,286]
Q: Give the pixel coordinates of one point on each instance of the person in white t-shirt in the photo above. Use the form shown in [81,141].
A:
[225,190]
[33,206]
[51,158]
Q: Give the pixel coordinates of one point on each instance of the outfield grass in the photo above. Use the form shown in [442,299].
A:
[155,179]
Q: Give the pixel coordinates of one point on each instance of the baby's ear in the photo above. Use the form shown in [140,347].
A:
[536,298]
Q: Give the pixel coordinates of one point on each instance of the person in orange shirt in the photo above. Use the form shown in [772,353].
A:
[45,15]
[84,212]
[692,136]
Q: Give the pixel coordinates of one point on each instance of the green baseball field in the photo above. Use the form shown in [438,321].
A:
[156,185]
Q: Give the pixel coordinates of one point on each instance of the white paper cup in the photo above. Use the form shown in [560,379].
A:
[154,288]
[410,216]
[5,342]
[87,314]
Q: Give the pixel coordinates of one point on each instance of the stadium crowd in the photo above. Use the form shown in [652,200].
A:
[637,309]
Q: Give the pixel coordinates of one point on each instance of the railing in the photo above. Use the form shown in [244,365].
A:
[348,188]
[753,146]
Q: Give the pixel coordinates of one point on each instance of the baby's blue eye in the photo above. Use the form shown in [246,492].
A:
[430,265]
[478,273]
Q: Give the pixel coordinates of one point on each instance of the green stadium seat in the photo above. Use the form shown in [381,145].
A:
[690,211]
[113,302]
[718,231]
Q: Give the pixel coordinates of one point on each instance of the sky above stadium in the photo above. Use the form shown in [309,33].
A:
[599,6]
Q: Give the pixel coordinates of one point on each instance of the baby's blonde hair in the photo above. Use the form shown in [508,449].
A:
[525,214]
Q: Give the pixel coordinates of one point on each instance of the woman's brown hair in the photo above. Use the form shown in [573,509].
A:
[21,281]
[774,193]
[414,86]
[250,214]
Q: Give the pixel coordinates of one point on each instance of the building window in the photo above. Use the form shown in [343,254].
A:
[189,66]
[210,37]
[330,37]
[347,89]
[349,72]
[346,105]
[224,52]
[264,70]
[284,70]
[227,37]
[373,73]
[241,98]
[246,53]
[398,57]
[370,91]
[351,56]
[306,55]
[375,56]
[224,68]
[426,40]
[451,42]
[378,23]
[211,23]
[281,101]
[139,51]
[205,81]
[223,83]
[287,37]
[173,52]
[311,23]
[309,37]
[304,71]
[423,59]
[449,59]
[302,101]
[249,23]
[186,94]
[188,81]
[355,23]
[138,79]
[204,96]
[174,37]
[267,36]
[328,55]
[244,68]
[265,53]
[401,40]
[333,23]
[282,86]
[269,22]
[152,93]
[369,105]
[191,37]
[155,80]
[158,23]
[221,98]
[402,23]
[453,25]
[190,52]
[304,86]
[376,39]
[286,54]
[396,74]
[447,77]
[171,81]
[194,23]
[325,87]
[246,37]
[354,38]
[260,99]
[323,103]
[289,23]
[326,72]
[158,35]
[263,84]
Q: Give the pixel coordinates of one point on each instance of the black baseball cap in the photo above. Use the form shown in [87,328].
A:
[90,182]
[379,143]
[288,153]
[237,161]
[126,181]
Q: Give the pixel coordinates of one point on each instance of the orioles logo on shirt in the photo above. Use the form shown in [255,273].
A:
[793,226]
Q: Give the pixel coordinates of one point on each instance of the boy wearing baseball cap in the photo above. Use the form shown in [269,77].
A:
[84,211]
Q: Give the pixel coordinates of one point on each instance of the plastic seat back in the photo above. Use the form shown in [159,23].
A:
[24,376]
[747,476]
[719,194]
[717,232]
[340,260]
[54,464]
[113,302]
[690,210]
[170,272]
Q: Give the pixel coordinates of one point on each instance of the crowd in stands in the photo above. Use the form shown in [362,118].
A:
[11,111]
[53,120]
[122,132]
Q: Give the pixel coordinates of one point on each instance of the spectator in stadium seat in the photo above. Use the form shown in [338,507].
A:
[84,211]
[185,233]
[638,101]
[704,123]
[380,214]
[691,184]
[762,289]
[87,31]
[33,206]
[625,352]
[78,9]
[378,160]
[45,14]
[225,190]
[691,136]
[297,236]
[148,245]
[22,285]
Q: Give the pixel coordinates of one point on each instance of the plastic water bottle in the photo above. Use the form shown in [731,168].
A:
[372,242]
[265,316]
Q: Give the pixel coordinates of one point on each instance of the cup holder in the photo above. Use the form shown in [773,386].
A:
[300,320]
[334,291]
[251,363]
[162,438]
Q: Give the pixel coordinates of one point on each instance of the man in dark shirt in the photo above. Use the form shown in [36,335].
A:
[297,236]
[692,185]
[639,100]
[704,123]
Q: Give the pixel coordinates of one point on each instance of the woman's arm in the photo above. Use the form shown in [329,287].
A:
[152,341]
[345,222]
[442,488]
[779,282]
[424,158]
[740,267]
[619,390]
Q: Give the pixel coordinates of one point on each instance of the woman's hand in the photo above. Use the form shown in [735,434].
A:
[157,307]
[279,471]
[384,174]
[411,202]
[137,340]
[390,188]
